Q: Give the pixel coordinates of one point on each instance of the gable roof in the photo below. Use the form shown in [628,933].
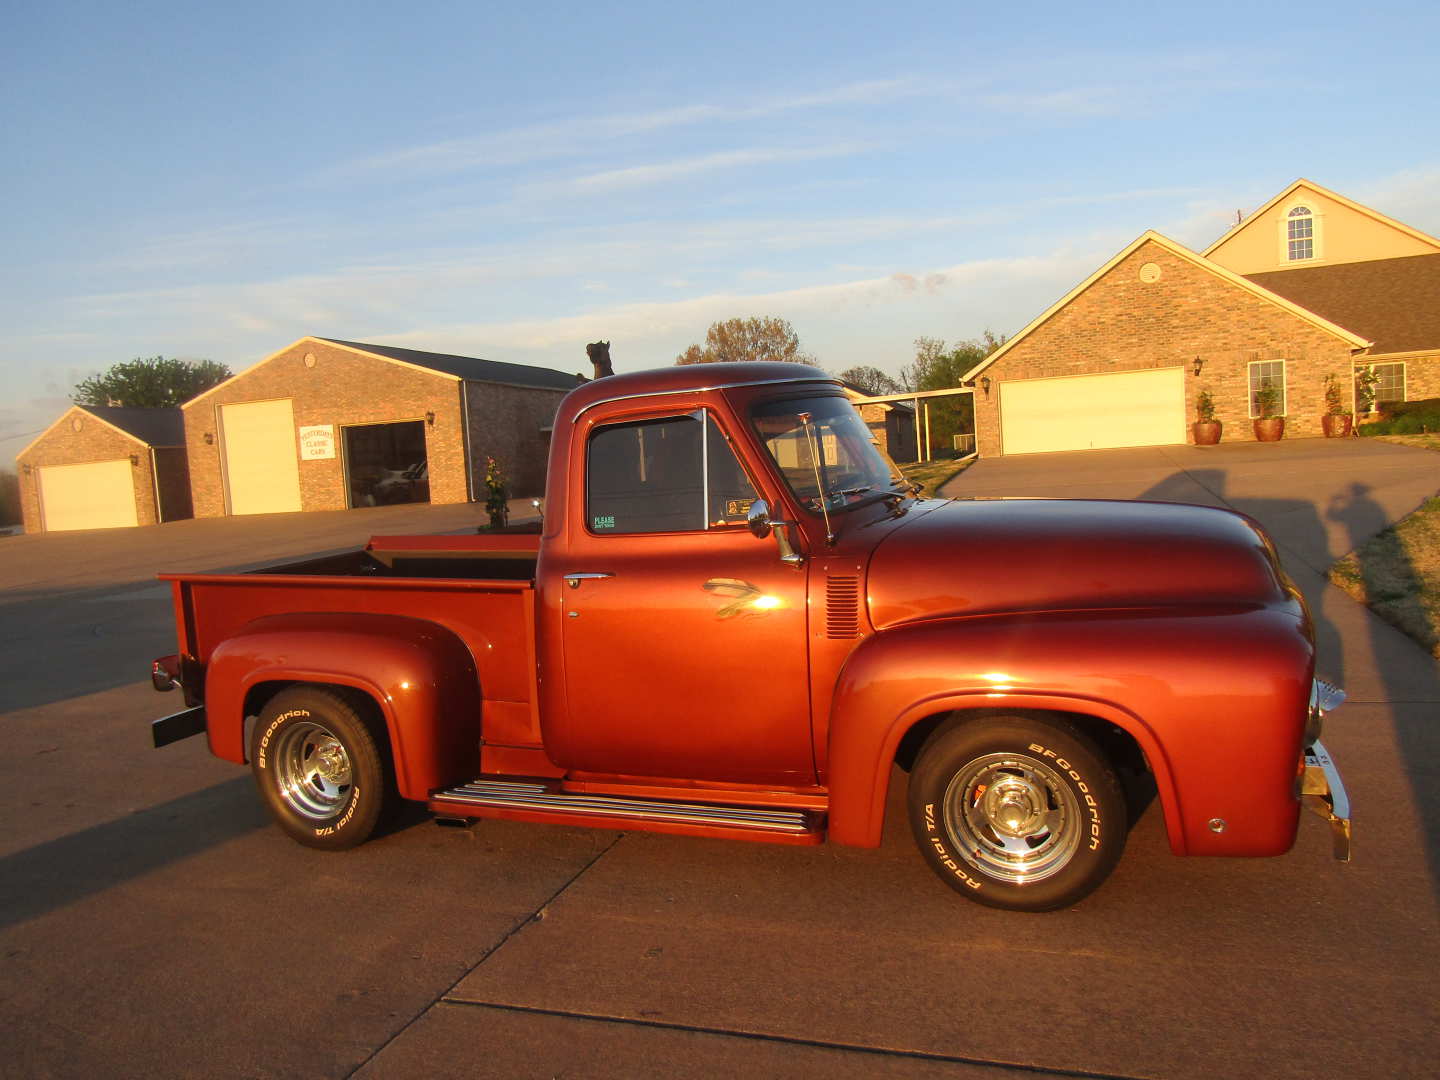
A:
[467,367]
[1318,189]
[148,427]
[153,427]
[1394,301]
[1179,250]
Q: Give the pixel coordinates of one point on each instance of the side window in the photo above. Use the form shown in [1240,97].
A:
[676,474]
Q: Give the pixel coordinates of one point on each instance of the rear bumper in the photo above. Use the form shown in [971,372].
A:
[177,726]
[1323,792]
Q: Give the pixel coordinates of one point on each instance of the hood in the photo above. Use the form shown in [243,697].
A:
[985,556]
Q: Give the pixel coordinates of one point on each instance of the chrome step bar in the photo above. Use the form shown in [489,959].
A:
[532,796]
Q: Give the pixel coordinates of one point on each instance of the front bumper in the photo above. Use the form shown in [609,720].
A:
[1320,788]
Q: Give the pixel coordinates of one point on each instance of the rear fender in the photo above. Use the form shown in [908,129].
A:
[419,674]
[1208,695]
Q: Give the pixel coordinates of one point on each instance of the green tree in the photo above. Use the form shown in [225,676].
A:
[9,497]
[871,380]
[150,382]
[763,338]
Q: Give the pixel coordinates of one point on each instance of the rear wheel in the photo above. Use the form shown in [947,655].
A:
[1017,812]
[319,768]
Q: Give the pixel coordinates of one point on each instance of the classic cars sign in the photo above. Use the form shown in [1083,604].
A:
[317,441]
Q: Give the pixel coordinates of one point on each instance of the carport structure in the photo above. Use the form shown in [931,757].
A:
[105,467]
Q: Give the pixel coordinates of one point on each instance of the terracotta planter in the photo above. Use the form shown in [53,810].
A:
[1269,430]
[1206,432]
[1336,425]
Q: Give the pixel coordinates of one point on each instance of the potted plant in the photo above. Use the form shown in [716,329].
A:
[1206,428]
[1337,419]
[1269,424]
[1365,380]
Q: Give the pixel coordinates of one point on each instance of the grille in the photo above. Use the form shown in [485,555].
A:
[842,607]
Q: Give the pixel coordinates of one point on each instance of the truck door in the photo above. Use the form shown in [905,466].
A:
[684,636]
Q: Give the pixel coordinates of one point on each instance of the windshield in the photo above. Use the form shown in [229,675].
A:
[825,452]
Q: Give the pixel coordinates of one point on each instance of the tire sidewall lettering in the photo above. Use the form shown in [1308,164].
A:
[1094,830]
[264,745]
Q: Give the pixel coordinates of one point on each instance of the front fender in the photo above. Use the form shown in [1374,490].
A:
[1215,698]
[420,675]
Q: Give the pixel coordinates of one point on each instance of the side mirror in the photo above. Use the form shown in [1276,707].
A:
[762,526]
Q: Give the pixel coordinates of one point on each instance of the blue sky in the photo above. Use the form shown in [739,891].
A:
[514,180]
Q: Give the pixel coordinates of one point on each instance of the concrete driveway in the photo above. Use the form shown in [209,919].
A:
[153,923]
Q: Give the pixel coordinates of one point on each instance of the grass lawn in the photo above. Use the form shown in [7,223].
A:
[931,475]
[1397,574]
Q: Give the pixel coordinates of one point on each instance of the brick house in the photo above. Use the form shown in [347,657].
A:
[1310,286]
[325,424]
[103,468]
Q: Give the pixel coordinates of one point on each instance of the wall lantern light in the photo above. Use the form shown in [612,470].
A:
[26,468]
[430,418]
[985,384]
[135,460]
[209,438]
[1198,365]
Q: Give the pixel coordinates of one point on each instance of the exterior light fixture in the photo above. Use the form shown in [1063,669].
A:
[430,418]
[209,438]
[985,384]
[1198,365]
[25,468]
[135,460]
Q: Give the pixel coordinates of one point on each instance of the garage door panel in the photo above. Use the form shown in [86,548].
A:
[1093,412]
[96,495]
[262,465]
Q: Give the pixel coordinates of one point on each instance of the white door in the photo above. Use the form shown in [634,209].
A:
[262,466]
[99,495]
[1093,412]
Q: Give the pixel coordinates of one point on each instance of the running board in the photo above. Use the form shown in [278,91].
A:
[544,799]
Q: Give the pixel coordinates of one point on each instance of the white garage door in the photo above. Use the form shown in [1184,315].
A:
[262,469]
[100,495]
[1093,412]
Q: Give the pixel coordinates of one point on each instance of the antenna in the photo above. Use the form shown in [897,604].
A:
[804,418]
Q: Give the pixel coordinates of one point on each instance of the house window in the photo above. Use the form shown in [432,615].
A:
[1300,234]
[1389,382]
[1265,373]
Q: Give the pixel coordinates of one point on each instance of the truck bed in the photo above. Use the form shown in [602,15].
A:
[480,587]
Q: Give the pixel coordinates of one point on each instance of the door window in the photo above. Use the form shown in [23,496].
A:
[673,474]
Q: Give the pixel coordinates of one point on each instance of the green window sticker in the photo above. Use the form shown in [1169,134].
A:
[603,521]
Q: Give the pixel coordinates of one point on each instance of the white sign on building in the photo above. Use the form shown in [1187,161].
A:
[317,441]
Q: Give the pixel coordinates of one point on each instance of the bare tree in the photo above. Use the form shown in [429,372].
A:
[763,338]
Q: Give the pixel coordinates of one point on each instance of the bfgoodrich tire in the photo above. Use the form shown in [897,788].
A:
[319,769]
[1017,812]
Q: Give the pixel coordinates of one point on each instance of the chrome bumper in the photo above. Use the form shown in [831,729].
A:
[1320,788]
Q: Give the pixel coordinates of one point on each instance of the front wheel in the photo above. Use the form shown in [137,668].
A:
[319,769]
[1017,812]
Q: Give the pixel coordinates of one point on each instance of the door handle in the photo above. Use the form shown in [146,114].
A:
[574,580]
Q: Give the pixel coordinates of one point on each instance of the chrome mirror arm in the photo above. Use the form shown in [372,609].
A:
[761,525]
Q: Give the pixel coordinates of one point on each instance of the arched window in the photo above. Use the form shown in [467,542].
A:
[1300,233]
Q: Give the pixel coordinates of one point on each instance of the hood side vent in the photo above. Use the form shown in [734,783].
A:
[842,606]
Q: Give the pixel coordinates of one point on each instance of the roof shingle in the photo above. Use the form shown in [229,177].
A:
[154,427]
[1393,302]
[469,367]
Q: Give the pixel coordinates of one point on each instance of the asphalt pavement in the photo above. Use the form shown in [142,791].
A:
[153,923]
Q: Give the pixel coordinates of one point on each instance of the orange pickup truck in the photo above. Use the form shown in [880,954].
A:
[738,619]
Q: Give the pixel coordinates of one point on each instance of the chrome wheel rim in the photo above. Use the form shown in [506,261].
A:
[313,772]
[1012,817]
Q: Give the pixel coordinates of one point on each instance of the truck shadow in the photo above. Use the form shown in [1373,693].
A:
[60,872]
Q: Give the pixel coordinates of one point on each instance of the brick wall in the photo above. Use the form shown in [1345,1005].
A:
[95,441]
[1122,323]
[340,387]
[506,423]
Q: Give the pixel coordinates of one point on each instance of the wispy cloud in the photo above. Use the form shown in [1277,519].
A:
[667,171]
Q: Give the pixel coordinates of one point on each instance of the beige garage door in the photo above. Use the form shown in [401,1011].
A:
[1093,412]
[100,495]
[262,469]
